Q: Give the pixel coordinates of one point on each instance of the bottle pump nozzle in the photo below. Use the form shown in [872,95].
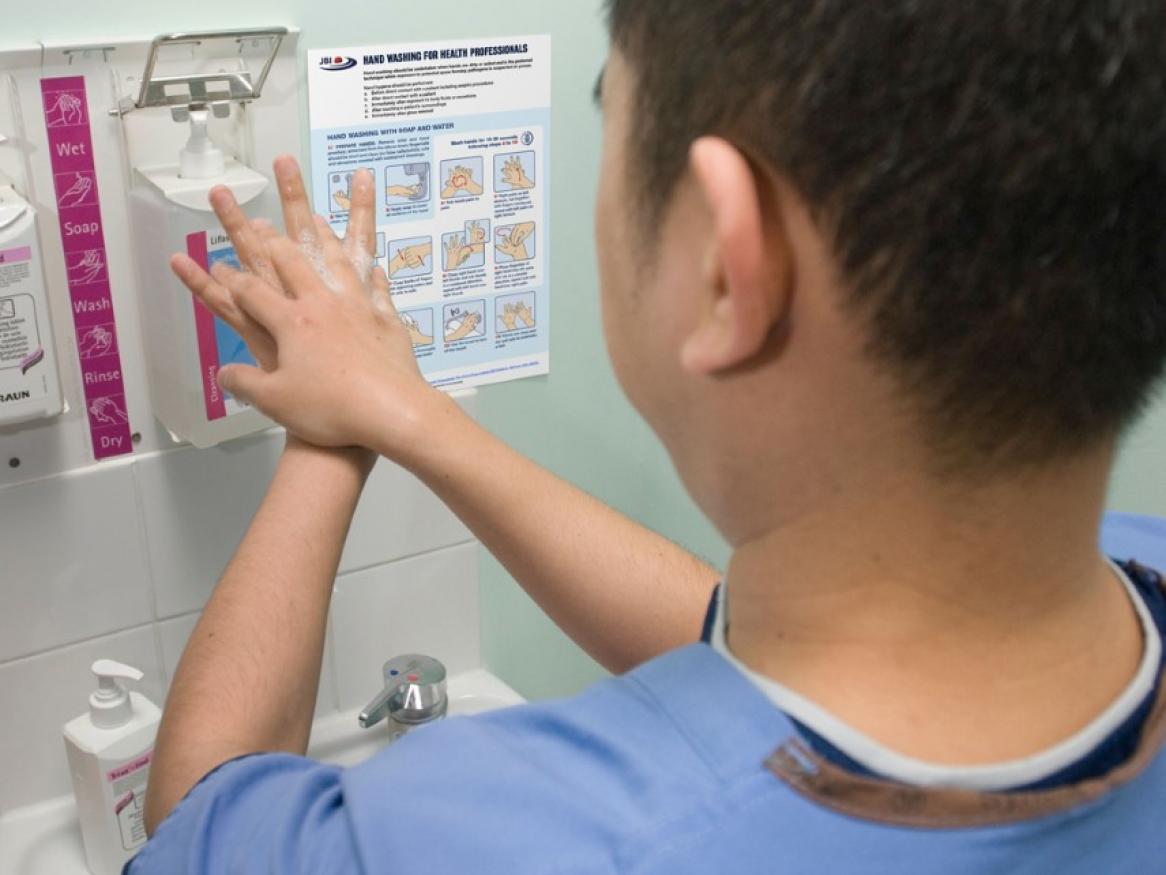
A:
[110,705]
[200,158]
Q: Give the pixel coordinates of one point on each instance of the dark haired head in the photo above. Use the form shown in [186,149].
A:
[992,176]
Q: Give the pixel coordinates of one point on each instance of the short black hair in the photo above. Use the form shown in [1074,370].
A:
[991,173]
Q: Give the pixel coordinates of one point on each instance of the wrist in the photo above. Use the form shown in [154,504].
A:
[356,462]
[418,436]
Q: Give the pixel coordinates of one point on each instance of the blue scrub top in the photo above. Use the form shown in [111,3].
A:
[681,766]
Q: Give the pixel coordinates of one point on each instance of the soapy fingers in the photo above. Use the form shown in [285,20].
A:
[360,238]
[340,355]
[246,236]
[336,363]
[256,298]
[343,267]
[330,271]
[249,384]
[382,297]
[218,299]
[297,211]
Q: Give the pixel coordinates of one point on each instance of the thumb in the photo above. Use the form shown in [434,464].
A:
[382,297]
[247,383]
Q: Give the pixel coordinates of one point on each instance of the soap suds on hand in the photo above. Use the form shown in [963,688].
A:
[361,263]
[312,250]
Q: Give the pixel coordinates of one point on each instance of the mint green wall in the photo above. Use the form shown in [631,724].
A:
[575,422]
[1139,486]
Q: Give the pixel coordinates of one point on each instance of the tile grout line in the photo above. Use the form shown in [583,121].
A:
[144,533]
[71,644]
[340,575]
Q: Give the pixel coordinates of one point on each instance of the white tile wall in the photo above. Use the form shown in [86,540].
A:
[398,517]
[74,564]
[173,635]
[427,604]
[197,504]
[38,695]
[117,560]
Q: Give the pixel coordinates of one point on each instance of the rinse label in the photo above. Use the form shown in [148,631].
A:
[83,241]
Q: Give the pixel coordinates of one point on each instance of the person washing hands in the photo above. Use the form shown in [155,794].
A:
[887,280]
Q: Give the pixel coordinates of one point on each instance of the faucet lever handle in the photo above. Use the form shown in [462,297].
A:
[378,709]
[414,692]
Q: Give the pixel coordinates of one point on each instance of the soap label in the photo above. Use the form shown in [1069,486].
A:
[218,343]
[128,786]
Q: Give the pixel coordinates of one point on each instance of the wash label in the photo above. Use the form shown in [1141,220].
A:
[83,241]
[456,135]
[218,343]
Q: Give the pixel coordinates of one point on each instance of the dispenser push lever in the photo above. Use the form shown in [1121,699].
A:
[215,91]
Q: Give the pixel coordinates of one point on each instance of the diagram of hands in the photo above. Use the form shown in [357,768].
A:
[411,257]
[342,200]
[67,110]
[77,192]
[513,245]
[514,174]
[456,252]
[106,411]
[409,191]
[461,179]
[512,314]
[415,334]
[455,330]
[461,248]
[89,267]
[97,341]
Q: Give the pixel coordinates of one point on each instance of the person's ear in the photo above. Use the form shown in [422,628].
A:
[745,278]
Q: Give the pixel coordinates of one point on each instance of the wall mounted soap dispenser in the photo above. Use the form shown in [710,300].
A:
[184,344]
[30,387]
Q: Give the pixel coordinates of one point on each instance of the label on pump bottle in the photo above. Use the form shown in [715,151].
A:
[128,783]
[218,343]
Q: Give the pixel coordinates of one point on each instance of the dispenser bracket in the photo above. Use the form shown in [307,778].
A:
[214,91]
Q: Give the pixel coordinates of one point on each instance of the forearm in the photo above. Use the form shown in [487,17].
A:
[622,592]
[247,680]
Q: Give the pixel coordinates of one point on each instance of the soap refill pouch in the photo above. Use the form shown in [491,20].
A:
[184,343]
[109,749]
[30,387]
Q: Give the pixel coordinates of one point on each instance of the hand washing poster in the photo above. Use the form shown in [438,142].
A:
[456,134]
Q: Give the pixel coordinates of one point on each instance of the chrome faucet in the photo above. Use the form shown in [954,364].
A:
[414,694]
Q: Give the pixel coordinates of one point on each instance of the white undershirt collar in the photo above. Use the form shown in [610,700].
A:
[988,778]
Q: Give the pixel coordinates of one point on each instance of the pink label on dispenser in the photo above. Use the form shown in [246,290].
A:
[83,241]
[13,256]
[208,344]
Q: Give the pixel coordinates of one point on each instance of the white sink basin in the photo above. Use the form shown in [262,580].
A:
[45,839]
[339,738]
